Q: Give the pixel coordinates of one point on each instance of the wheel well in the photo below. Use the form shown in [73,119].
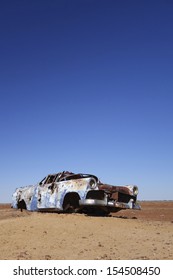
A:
[71,199]
[21,204]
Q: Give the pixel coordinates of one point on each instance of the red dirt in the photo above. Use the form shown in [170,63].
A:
[128,234]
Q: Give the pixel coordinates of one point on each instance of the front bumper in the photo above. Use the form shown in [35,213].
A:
[110,204]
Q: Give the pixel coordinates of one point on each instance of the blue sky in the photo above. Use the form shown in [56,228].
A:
[87,86]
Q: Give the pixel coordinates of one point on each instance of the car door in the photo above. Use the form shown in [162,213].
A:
[47,193]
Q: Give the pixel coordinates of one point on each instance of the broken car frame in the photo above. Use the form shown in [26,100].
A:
[70,192]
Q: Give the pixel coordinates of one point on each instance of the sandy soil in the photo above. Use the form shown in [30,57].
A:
[145,234]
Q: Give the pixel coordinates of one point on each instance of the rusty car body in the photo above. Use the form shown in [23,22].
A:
[69,192]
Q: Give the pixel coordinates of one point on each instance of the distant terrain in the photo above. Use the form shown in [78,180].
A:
[127,234]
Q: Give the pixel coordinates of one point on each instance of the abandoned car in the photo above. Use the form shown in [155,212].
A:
[70,192]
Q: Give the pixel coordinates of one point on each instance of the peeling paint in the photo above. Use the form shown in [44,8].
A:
[67,191]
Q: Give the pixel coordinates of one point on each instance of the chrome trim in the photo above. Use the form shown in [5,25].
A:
[113,204]
[92,202]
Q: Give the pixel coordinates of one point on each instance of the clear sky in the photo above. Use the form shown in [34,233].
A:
[87,86]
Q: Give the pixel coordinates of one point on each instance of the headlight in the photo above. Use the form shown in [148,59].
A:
[135,190]
[92,183]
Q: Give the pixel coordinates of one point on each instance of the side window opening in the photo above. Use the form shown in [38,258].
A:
[50,179]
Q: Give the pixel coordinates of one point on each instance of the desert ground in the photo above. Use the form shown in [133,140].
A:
[128,234]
